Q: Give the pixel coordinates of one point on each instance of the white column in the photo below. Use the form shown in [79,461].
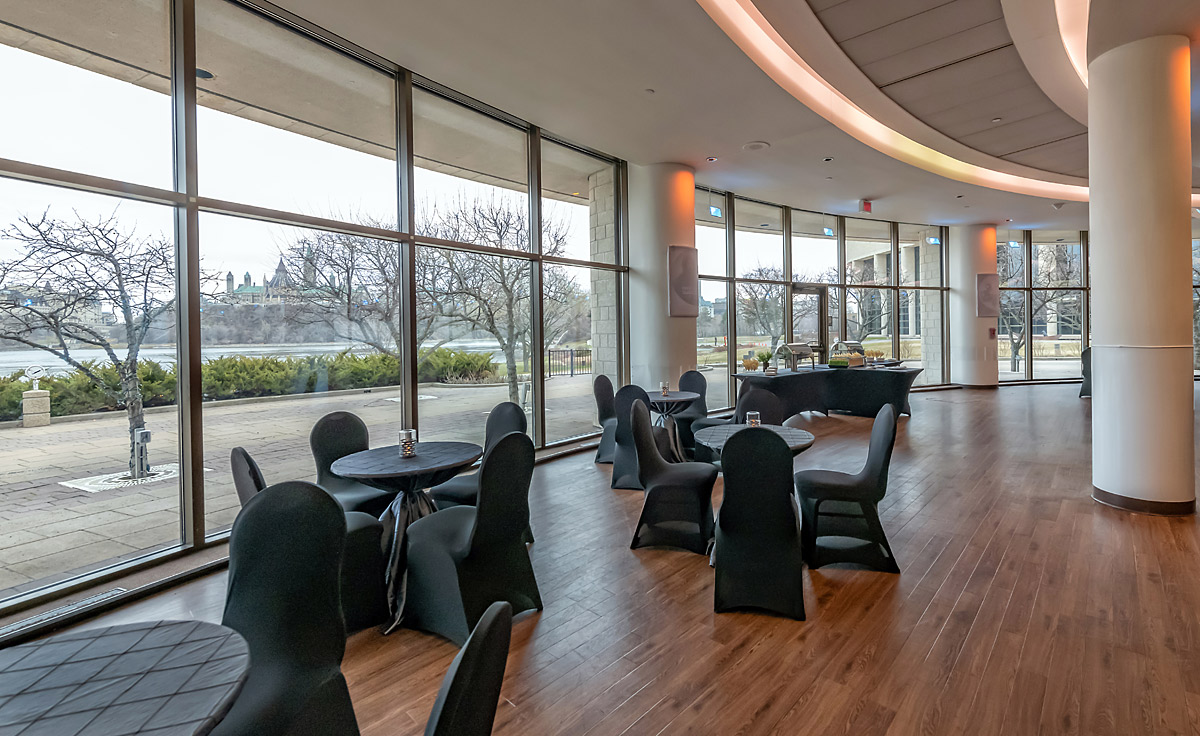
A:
[662,212]
[973,357]
[1140,162]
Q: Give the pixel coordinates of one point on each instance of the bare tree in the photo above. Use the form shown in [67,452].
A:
[760,305]
[68,275]
[1060,267]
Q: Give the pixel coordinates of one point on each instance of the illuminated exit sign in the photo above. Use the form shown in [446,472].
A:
[714,211]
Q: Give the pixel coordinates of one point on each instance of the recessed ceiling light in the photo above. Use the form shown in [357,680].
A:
[958,196]
[829,178]
[755,146]
[827,159]
[649,91]
[204,74]
[1009,220]
[997,120]
[710,159]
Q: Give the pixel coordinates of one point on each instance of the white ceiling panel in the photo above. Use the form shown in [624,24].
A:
[856,17]
[1020,135]
[1068,156]
[940,53]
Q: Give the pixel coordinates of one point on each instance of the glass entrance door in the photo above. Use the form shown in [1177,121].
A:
[810,316]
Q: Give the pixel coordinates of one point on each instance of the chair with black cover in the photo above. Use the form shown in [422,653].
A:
[335,436]
[282,597]
[463,490]
[625,459]
[705,454]
[606,414]
[770,410]
[695,382]
[364,597]
[758,555]
[466,702]
[677,511]
[1085,367]
[464,558]
[842,507]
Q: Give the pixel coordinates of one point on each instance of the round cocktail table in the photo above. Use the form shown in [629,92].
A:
[798,440]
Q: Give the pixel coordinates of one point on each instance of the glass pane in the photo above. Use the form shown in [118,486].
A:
[473,333]
[87,292]
[759,318]
[920,320]
[1010,329]
[1057,333]
[869,319]
[806,316]
[836,298]
[1010,257]
[1057,258]
[579,205]
[1196,330]
[920,255]
[814,248]
[471,177]
[581,328]
[288,123]
[712,341]
[86,87]
[310,315]
[710,233]
[1195,261]
[868,252]
[758,240]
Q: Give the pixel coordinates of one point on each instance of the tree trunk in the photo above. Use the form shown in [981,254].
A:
[131,391]
[510,363]
[1014,358]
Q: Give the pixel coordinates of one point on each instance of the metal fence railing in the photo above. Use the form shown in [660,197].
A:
[568,362]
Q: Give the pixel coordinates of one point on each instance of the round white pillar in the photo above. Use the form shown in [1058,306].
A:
[973,357]
[662,212]
[1140,160]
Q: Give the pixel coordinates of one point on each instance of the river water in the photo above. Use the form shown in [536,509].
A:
[12,361]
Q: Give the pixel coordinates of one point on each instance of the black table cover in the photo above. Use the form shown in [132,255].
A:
[715,437]
[166,678]
[858,391]
[382,467]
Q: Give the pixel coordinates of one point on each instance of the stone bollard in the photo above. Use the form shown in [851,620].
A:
[35,408]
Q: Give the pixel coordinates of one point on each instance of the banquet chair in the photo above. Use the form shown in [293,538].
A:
[844,505]
[606,414]
[282,597]
[758,556]
[625,459]
[333,437]
[677,511]
[464,558]
[695,382]
[363,596]
[466,702]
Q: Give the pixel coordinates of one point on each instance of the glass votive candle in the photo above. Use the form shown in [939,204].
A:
[753,419]
[665,386]
[408,443]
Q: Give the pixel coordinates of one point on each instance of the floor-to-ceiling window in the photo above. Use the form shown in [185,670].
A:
[203,253]
[713,323]
[1043,303]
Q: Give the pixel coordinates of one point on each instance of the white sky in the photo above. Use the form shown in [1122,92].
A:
[78,120]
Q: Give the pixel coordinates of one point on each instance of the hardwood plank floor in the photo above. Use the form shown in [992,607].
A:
[1023,606]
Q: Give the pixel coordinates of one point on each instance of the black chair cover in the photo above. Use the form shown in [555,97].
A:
[691,381]
[247,477]
[466,702]
[1085,360]
[677,511]
[767,405]
[705,454]
[463,559]
[462,490]
[335,436]
[625,459]
[843,505]
[606,414]
[284,558]
[758,555]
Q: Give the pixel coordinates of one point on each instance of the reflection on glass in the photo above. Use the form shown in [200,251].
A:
[1010,329]
[868,252]
[579,205]
[288,123]
[869,320]
[920,255]
[919,315]
[1010,257]
[1057,258]
[87,292]
[473,337]
[711,246]
[814,247]
[760,324]
[306,314]
[758,240]
[712,342]
[1057,333]
[472,176]
[86,85]
[579,313]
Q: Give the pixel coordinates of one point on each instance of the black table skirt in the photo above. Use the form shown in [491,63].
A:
[858,391]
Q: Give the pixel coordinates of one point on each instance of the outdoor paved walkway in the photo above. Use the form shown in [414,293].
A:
[49,532]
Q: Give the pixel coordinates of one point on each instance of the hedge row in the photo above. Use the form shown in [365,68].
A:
[235,377]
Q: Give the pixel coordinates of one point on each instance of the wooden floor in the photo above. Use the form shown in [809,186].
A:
[1023,607]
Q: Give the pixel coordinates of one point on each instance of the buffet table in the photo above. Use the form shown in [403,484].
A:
[858,391]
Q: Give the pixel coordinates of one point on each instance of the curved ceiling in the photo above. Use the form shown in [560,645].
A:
[944,74]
